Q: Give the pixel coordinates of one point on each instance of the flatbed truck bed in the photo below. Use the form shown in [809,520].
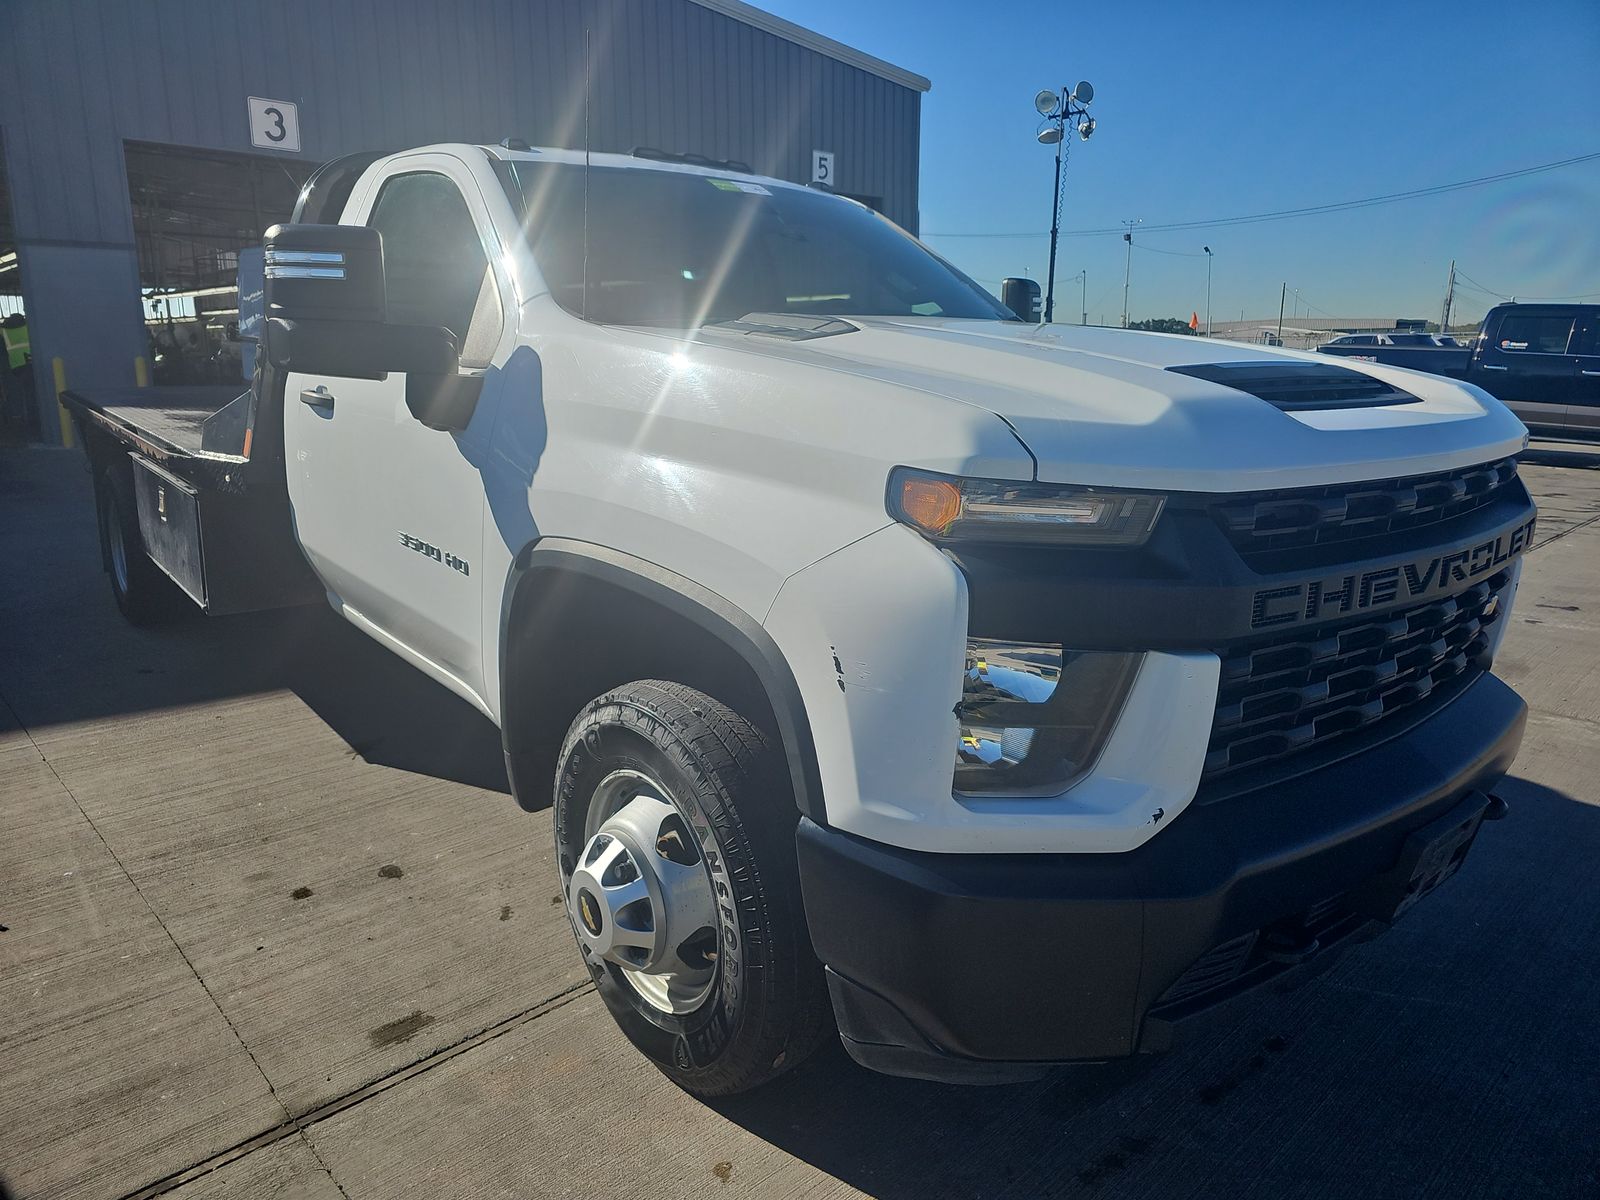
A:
[211,505]
[168,423]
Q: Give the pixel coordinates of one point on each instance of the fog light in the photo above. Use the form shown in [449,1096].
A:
[1034,716]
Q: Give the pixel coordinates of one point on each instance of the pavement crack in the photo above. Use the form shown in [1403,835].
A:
[1556,537]
[292,1125]
[151,909]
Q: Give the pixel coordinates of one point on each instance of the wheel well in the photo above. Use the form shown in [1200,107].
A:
[574,631]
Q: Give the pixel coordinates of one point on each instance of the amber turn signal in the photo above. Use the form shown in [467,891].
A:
[929,504]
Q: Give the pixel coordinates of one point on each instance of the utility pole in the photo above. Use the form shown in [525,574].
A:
[1449,298]
[1209,257]
[1127,269]
[1282,296]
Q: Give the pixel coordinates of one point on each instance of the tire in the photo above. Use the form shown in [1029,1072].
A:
[143,592]
[764,1007]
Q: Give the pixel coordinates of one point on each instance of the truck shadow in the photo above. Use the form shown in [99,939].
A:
[385,710]
[66,655]
[1394,1074]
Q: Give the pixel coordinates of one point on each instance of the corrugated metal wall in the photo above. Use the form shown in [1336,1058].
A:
[78,77]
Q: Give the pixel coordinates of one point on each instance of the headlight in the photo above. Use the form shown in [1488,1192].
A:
[949,509]
[1034,717]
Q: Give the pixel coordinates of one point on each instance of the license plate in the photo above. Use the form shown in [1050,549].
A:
[1429,856]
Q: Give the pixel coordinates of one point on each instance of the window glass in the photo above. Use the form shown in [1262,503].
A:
[433,261]
[676,250]
[1534,333]
[1589,339]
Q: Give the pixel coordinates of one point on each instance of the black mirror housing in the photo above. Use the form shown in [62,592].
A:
[325,273]
[326,314]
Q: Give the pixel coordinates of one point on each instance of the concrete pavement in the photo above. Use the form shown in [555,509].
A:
[274,928]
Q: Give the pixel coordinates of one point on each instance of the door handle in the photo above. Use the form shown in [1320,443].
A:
[317,397]
[1597,373]
[1492,367]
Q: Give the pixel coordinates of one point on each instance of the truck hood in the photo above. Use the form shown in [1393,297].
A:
[1105,406]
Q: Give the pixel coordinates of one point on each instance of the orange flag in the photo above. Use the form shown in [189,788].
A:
[1194,320]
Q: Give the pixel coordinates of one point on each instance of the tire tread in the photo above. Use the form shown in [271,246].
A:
[737,758]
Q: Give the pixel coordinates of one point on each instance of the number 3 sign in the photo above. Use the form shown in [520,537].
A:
[274,124]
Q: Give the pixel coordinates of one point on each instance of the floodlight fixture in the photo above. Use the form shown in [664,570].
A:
[1060,108]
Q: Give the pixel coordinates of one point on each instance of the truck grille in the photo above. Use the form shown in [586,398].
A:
[1283,697]
[1286,520]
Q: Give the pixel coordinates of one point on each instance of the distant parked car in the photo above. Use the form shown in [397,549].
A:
[1542,360]
[1403,348]
[1424,340]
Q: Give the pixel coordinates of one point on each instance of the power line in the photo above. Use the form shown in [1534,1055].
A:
[1476,286]
[1310,210]
[1460,274]
[1176,253]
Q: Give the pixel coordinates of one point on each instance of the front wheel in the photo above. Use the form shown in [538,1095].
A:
[675,837]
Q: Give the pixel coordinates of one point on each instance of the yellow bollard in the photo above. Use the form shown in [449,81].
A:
[141,371]
[59,369]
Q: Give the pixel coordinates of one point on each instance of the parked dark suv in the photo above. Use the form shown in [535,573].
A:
[1542,360]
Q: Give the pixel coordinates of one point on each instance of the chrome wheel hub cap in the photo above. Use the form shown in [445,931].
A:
[640,896]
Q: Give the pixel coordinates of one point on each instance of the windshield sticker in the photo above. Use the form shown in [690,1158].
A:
[734,185]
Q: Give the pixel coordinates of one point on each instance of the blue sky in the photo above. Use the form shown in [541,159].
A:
[1217,109]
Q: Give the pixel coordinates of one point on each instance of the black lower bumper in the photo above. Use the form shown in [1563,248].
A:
[991,967]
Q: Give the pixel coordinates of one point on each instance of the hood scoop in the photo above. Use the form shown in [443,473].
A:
[1301,386]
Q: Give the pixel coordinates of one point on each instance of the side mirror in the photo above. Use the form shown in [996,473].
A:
[325,273]
[326,314]
[1022,297]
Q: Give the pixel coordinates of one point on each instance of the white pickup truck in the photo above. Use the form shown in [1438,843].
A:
[1001,695]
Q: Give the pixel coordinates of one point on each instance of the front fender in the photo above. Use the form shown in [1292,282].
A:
[655,623]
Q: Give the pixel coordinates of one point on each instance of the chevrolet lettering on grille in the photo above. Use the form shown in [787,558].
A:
[1323,599]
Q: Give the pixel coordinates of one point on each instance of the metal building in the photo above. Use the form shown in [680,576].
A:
[143,144]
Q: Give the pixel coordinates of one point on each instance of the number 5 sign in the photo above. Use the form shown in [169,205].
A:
[274,124]
[822,167]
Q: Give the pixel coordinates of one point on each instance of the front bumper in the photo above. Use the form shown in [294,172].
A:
[983,968]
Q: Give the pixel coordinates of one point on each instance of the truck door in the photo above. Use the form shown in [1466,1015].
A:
[1526,361]
[389,511]
[1583,410]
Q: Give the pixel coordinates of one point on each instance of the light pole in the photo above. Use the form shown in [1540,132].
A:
[1209,257]
[1083,298]
[1057,109]
[1127,267]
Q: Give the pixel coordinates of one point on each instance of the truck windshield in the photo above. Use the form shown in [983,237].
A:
[678,250]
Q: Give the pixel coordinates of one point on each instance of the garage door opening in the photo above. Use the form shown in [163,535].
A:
[193,211]
[19,417]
